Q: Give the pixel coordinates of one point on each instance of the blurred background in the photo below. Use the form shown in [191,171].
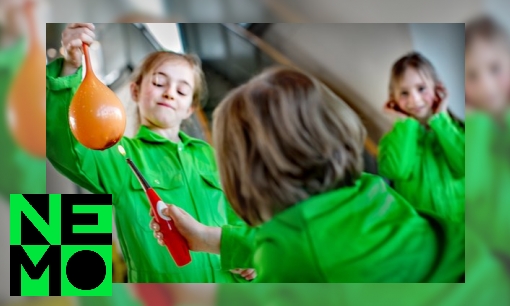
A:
[354,60]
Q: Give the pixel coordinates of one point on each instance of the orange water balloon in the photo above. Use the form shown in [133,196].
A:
[26,106]
[96,115]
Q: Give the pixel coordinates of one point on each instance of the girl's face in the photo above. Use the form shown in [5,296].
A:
[415,94]
[487,76]
[165,97]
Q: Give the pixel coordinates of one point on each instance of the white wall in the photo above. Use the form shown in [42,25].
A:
[500,9]
[443,45]
[357,58]
[400,11]
[354,58]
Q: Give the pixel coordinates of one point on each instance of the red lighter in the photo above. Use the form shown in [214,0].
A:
[173,240]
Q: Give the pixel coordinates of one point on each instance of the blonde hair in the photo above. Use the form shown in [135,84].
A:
[282,138]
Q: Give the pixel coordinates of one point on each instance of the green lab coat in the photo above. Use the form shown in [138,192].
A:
[427,165]
[366,233]
[487,284]
[183,174]
[20,172]
[488,180]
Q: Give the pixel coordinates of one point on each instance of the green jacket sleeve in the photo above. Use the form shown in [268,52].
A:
[287,257]
[237,246]
[398,150]
[451,137]
[96,171]
[237,242]
[20,172]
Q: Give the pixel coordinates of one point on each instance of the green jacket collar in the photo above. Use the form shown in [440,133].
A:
[145,134]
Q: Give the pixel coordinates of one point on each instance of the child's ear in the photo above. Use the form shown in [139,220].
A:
[135,91]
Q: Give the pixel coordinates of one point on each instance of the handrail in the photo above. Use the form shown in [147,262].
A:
[278,57]
[145,32]
[260,44]
[270,51]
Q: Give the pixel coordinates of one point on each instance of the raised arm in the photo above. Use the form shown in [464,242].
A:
[96,171]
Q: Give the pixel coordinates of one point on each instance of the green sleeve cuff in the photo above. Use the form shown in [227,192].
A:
[507,118]
[440,120]
[407,123]
[237,245]
[53,80]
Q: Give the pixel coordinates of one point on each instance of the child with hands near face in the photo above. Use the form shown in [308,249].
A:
[423,154]
[487,62]
[487,85]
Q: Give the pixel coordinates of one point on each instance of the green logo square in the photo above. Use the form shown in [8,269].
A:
[61,245]
[82,271]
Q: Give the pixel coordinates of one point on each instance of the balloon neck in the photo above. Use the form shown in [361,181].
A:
[88,65]
[29,10]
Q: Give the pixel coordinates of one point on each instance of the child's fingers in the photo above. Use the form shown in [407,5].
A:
[75,43]
[158,235]
[86,38]
[154,225]
[247,272]
[81,25]
[89,33]
[172,211]
[84,34]
[161,243]
[393,113]
[250,276]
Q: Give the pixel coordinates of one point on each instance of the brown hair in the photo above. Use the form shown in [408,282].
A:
[485,28]
[155,59]
[420,63]
[282,138]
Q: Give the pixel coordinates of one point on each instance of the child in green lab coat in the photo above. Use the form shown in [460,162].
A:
[20,171]
[167,88]
[487,56]
[487,68]
[423,155]
[289,154]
